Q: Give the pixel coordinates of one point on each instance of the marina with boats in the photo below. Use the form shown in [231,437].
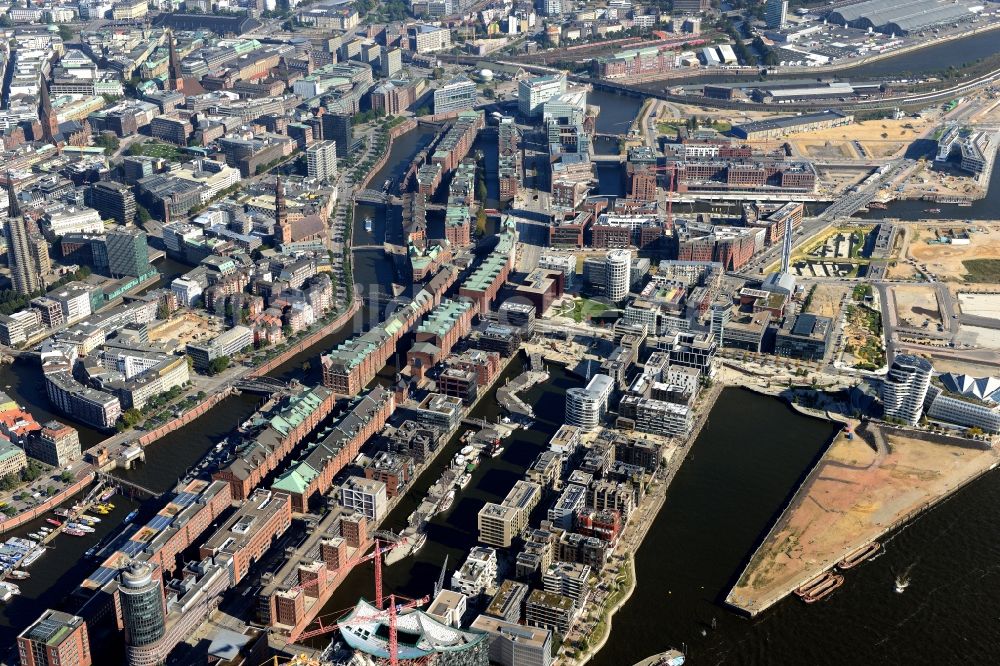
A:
[454,478]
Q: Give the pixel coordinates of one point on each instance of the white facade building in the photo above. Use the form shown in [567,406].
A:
[366,496]
[477,574]
[905,388]
[321,160]
[585,407]
[617,274]
[534,92]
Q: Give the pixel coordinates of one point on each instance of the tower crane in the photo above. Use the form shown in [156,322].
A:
[376,555]
[392,611]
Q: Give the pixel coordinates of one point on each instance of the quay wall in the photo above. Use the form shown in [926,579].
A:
[764,603]
[49,504]
[307,341]
[394,133]
[185,418]
[324,595]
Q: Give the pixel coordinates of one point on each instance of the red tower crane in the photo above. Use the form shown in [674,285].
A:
[393,610]
[672,168]
[350,564]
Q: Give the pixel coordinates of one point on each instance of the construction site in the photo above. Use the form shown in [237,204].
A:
[955,251]
[840,252]
[864,486]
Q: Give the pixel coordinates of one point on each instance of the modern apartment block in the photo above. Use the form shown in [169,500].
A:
[55,639]
[585,407]
[905,388]
[500,524]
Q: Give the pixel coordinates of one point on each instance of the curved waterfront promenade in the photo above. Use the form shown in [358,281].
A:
[643,519]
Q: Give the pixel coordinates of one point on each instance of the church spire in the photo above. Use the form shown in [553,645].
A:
[175,78]
[46,114]
[282,230]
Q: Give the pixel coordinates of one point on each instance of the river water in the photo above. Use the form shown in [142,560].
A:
[724,499]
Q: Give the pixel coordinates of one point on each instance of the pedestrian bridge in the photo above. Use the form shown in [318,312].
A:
[265,385]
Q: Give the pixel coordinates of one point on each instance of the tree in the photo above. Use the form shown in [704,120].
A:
[142,213]
[218,365]
[66,476]
[481,222]
[31,472]
[108,141]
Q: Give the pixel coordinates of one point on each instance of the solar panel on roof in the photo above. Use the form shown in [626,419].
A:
[132,548]
[159,522]
[45,629]
[804,324]
[184,499]
[103,575]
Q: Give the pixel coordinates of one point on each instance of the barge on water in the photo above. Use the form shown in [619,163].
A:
[859,556]
[819,587]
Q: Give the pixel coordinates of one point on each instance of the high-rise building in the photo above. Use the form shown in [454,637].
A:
[390,62]
[113,200]
[534,92]
[337,127]
[55,639]
[128,253]
[775,12]
[459,94]
[722,312]
[617,274]
[905,387]
[321,160]
[143,606]
[27,255]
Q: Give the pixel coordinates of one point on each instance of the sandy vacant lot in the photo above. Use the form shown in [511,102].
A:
[827,149]
[945,261]
[826,299]
[904,130]
[915,303]
[186,329]
[984,305]
[852,497]
[885,148]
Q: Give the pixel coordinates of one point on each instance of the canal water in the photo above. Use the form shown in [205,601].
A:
[617,111]
[987,208]
[452,534]
[55,574]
